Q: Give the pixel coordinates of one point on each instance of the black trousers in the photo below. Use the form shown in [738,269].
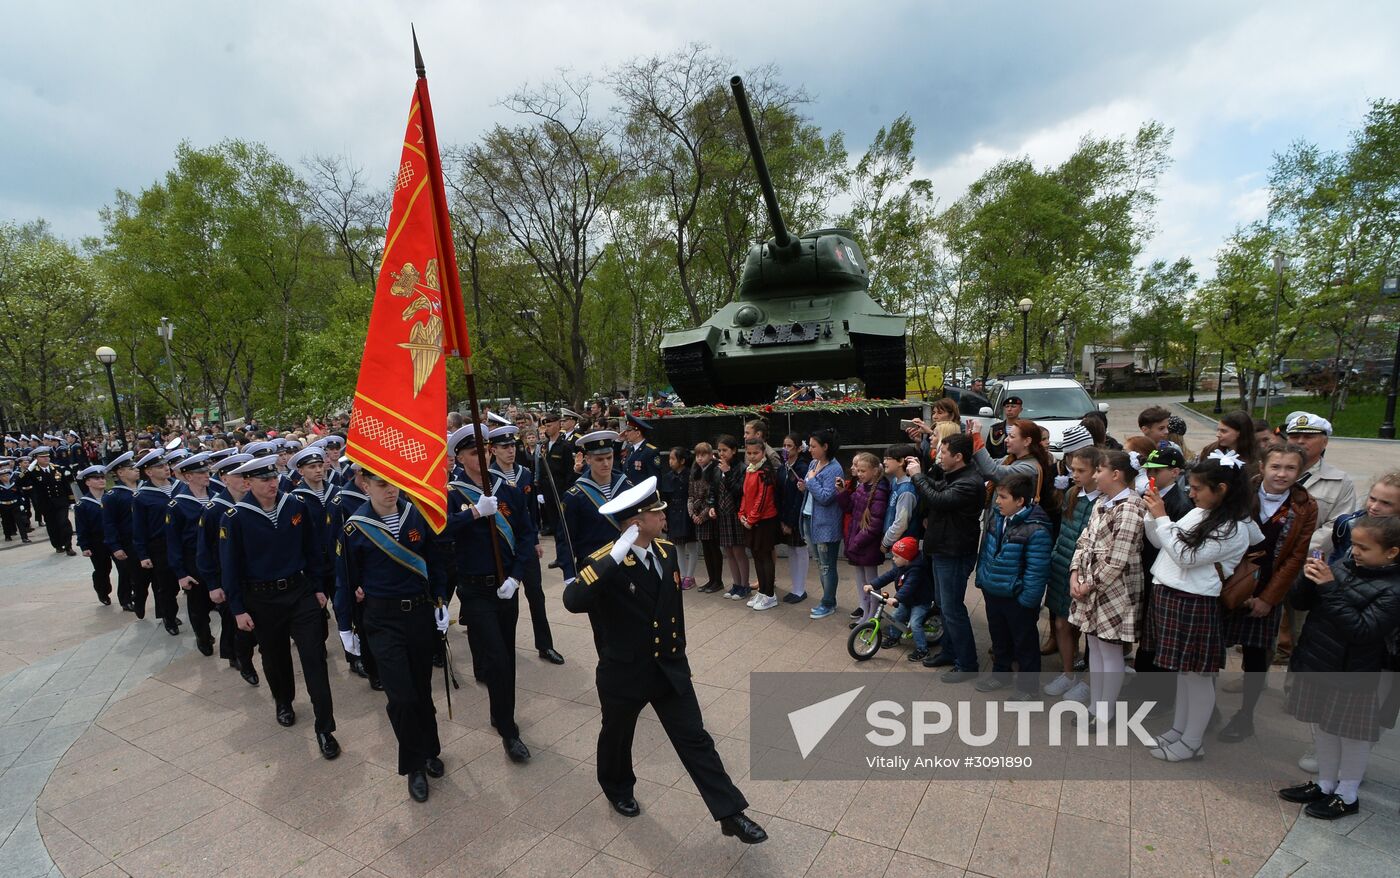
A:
[714,561]
[141,581]
[163,584]
[197,608]
[128,572]
[357,623]
[9,518]
[1014,638]
[234,643]
[403,644]
[280,617]
[491,636]
[56,522]
[534,593]
[679,713]
[101,571]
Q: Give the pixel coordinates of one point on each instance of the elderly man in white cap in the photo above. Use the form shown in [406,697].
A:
[1332,488]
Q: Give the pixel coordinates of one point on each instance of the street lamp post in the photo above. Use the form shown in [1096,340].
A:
[166,331]
[1025,305]
[1195,339]
[1391,287]
[1280,266]
[106,356]
[1220,381]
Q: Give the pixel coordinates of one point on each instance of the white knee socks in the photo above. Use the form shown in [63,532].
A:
[1105,676]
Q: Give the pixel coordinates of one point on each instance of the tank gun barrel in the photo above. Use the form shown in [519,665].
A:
[770,197]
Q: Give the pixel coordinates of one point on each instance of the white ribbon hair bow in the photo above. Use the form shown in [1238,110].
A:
[1227,458]
[1135,460]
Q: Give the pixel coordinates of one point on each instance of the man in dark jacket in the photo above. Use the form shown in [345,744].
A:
[952,495]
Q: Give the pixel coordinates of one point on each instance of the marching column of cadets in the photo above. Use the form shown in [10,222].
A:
[1125,549]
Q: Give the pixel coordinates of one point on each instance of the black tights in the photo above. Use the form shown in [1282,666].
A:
[1256,673]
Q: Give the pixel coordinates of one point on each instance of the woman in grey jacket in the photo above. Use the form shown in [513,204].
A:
[821,516]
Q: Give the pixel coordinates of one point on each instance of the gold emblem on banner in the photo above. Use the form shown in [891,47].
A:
[424,343]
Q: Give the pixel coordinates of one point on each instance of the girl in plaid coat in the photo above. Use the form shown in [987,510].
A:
[1105,580]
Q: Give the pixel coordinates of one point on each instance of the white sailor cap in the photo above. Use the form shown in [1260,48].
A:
[598,442]
[174,457]
[333,439]
[74,434]
[154,457]
[41,450]
[642,497]
[465,436]
[222,453]
[258,467]
[308,455]
[195,463]
[493,418]
[570,413]
[124,459]
[227,463]
[258,449]
[503,435]
[1305,422]
[98,470]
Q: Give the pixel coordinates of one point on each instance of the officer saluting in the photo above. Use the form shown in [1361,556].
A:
[585,526]
[643,460]
[270,562]
[46,487]
[631,591]
[490,607]
[388,553]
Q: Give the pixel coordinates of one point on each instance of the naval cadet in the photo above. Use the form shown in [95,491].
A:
[558,453]
[12,504]
[182,530]
[270,562]
[149,540]
[569,421]
[642,459]
[490,606]
[503,465]
[349,606]
[631,591]
[87,516]
[389,554]
[116,532]
[46,487]
[585,527]
[309,464]
[235,645]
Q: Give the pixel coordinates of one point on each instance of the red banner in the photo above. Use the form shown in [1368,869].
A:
[399,417]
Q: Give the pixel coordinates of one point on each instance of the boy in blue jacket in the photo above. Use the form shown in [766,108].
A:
[1012,572]
[914,595]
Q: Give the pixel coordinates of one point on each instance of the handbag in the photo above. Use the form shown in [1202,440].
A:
[1240,585]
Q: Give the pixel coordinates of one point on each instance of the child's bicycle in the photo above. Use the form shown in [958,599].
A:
[868,637]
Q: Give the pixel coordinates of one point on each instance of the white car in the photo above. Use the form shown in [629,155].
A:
[1052,402]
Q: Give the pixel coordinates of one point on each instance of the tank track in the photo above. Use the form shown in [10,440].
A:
[881,365]
[688,370]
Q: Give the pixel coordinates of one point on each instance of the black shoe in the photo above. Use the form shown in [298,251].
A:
[941,660]
[106,601]
[375,684]
[710,588]
[418,786]
[285,715]
[26,540]
[918,655]
[553,565]
[889,642]
[249,676]
[434,767]
[128,608]
[205,645]
[791,598]
[59,551]
[69,552]
[330,747]
[1239,727]
[1332,807]
[956,676]
[357,667]
[855,614]
[139,611]
[516,749]
[1303,793]
[627,807]
[172,628]
[552,656]
[745,829]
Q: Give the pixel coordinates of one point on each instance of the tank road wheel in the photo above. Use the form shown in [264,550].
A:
[691,374]
[880,364]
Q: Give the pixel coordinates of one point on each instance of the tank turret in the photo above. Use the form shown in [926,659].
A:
[802,312]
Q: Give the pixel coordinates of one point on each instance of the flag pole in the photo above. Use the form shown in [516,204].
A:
[435,169]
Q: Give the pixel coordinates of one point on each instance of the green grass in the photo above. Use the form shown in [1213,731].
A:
[1361,418]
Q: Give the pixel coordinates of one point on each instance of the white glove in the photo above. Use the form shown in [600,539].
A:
[540,499]
[486,506]
[1061,483]
[507,589]
[440,617]
[624,544]
[351,641]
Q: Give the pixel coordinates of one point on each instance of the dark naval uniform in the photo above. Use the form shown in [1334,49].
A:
[349,609]
[533,581]
[559,459]
[47,491]
[116,532]
[587,527]
[271,569]
[12,507]
[319,505]
[88,516]
[395,564]
[148,539]
[638,621]
[181,541]
[235,645]
[490,620]
[643,461]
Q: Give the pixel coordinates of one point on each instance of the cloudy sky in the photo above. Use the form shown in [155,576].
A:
[94,97]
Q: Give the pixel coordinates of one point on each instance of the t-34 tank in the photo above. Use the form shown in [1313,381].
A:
[802,312]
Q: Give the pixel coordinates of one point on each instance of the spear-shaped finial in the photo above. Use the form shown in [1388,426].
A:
[417,55]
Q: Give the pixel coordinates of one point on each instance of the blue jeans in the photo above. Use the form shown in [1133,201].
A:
[950,573]
[914,616]
[826,554]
